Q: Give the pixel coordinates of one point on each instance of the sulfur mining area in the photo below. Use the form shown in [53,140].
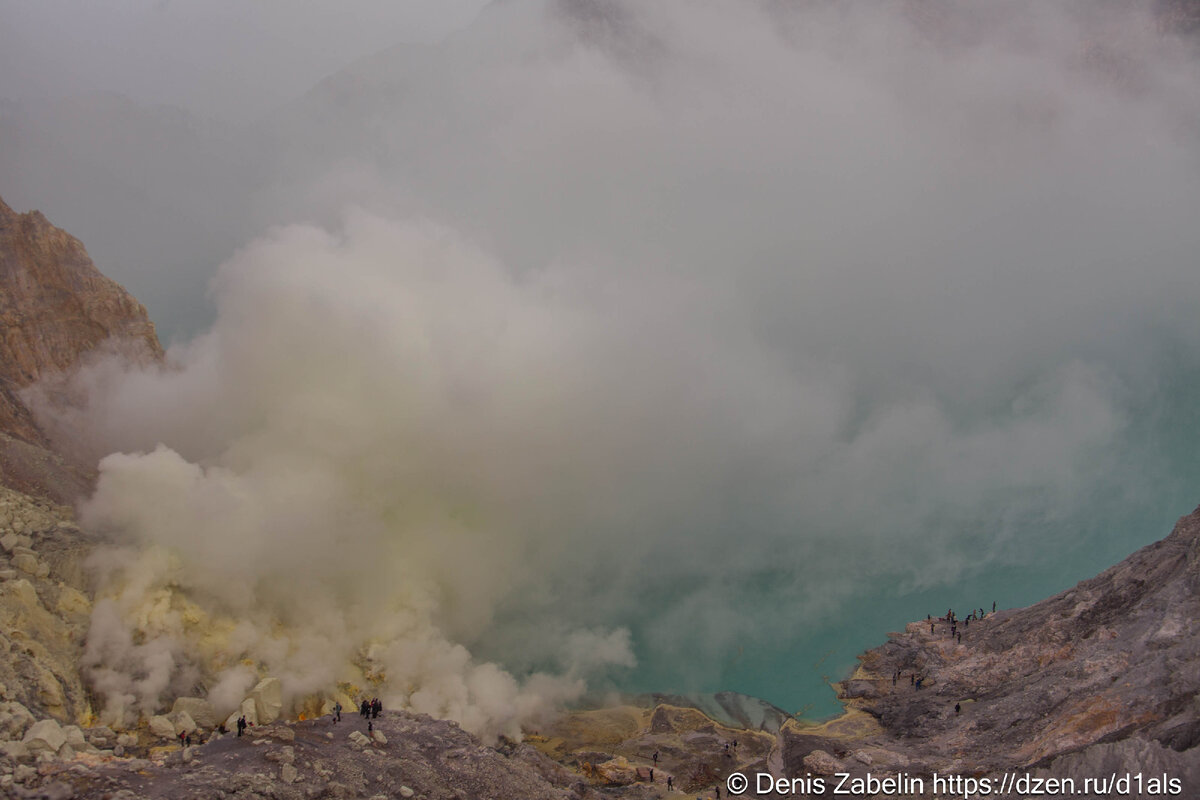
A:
[1100,679]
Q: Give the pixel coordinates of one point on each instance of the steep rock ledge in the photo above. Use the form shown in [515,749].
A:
[55,308]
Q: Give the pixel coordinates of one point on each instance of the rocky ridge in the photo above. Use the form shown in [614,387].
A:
[55,309]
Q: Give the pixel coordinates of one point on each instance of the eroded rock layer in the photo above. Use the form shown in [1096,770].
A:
[55,309]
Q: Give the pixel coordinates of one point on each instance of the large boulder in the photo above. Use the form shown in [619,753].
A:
[162,727]
[181,722]
[45,736]
[268,700]
[199,709]
[246,709]
[75,738]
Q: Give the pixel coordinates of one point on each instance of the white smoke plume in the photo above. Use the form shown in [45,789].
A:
[612,324]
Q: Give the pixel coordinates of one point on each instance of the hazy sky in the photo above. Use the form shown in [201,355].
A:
[227,58]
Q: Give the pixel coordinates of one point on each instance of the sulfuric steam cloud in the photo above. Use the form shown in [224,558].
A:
[669,328]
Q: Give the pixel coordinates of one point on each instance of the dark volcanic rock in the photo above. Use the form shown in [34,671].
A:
[1115,659]
[420,757]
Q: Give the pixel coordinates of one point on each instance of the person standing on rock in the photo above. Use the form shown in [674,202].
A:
[241,724]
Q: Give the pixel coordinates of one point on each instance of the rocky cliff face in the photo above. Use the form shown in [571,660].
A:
[1104,673]
[55,308]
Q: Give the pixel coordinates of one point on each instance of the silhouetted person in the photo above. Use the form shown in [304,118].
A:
[337,712]
[654,758]
[993,606]
[241,724]
[670,781]
[652,774]
[364,709]
[957,707]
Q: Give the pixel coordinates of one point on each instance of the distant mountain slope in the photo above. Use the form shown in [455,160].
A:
[55,307]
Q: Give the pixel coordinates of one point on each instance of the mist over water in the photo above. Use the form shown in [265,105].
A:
[672,346]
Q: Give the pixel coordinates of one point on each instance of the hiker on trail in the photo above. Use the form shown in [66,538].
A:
[652,774]
[931,629]
[187,740]
[364,709]
[717,789]
[919,682]
[654,758]
[957,707]
[370,726]
[241,724]
[182,737]
[912,678]
[337,712]
[993,606]
[376,707]
[895,677]
[960,638]
[670,781]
